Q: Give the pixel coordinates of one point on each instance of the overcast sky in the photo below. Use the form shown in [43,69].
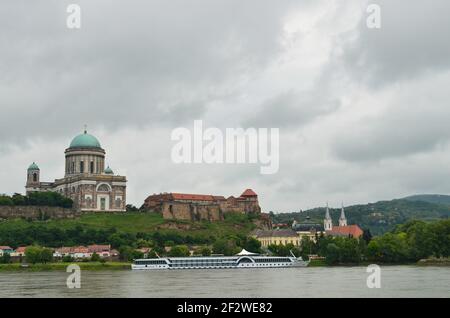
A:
[364,114]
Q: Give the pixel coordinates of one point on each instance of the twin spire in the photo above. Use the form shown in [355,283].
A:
[328,221]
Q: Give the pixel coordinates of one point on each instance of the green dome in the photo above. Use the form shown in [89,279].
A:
[109,170]
[33,166]
[85,141]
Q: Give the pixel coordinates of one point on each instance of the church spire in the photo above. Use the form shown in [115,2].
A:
[327,222]
[342,219]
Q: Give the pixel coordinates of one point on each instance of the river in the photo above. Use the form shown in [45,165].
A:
[396,281]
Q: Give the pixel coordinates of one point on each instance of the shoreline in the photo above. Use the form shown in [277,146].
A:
[60,266]
[117,266]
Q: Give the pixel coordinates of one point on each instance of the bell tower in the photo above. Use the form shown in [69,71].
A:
[342,219]
[327,222]
[33,178]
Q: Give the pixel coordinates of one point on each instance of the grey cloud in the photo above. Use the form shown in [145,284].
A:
[415,121]
[291,109]
[130,64]
[413,39]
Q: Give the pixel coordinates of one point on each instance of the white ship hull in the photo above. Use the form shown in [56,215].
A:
[217,263]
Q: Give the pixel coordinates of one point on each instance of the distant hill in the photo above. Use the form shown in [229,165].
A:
[431,198]
[380,216]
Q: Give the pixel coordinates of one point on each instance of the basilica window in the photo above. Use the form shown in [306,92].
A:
[92,166]
[34,177]
[103,188]
[82,167]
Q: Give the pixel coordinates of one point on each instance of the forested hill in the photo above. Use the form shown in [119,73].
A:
[379,217]
[431,198]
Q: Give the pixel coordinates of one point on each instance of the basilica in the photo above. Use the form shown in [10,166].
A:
[87,182]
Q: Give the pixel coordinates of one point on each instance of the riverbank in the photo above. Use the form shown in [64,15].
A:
[90,266]
[434,262]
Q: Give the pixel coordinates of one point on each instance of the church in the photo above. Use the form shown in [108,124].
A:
[90,185]
[342,229]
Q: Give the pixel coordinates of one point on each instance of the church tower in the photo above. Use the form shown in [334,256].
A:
[33,178]
[342,218]
[327,222]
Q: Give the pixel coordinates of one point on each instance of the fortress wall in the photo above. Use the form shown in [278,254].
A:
[37,212]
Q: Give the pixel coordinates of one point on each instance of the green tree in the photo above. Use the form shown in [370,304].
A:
[6,200]
[252,245]
[95,258]
[5,259]
[332,254]
[37,254]
[179,251]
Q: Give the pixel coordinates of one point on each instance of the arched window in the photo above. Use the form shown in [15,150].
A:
[103,188]
[34,177]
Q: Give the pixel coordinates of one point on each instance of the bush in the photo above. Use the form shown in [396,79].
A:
[95,257]
[68,259]
[37,254]
[5,259]
[5,200]
[179,251]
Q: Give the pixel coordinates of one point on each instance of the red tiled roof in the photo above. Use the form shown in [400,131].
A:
[5,248]
[349,230]
[80,249]
[249,193]
[21,249]
[99,248]
[219,197]
[193,197]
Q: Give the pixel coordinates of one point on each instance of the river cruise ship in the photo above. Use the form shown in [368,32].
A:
[241,260]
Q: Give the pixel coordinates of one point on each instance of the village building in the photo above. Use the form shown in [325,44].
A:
[277,237]
[91,185]
[6,249]
[308,228]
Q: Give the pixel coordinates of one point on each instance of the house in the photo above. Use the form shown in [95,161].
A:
[80,252]
[145,251]
[101,250]
[19,252]
[5,249]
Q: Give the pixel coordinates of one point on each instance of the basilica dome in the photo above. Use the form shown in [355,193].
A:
[85,140]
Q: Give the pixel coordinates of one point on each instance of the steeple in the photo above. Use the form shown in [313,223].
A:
[342,218]
[327,222]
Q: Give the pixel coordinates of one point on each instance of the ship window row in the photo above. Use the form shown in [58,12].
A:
[150,262]
[272,260]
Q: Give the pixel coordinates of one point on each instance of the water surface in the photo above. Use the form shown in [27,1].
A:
[396,281]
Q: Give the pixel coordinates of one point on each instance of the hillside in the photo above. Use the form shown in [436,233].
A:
[379,217]
[431,198]
[121,229]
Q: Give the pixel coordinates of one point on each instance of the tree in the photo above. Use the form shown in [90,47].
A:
[95,257]
[179,251]
[225,247]
[37,254]
[332,254]
[5,259]
[252,245]
[5,200]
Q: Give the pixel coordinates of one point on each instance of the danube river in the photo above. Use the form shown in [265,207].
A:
[396,281]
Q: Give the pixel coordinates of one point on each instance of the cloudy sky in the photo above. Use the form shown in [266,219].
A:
[364,114]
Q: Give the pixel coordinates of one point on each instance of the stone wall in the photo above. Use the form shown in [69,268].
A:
[37,212]
[191,212]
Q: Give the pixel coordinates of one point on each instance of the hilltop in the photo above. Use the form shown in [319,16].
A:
[431,198]
[380,216]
